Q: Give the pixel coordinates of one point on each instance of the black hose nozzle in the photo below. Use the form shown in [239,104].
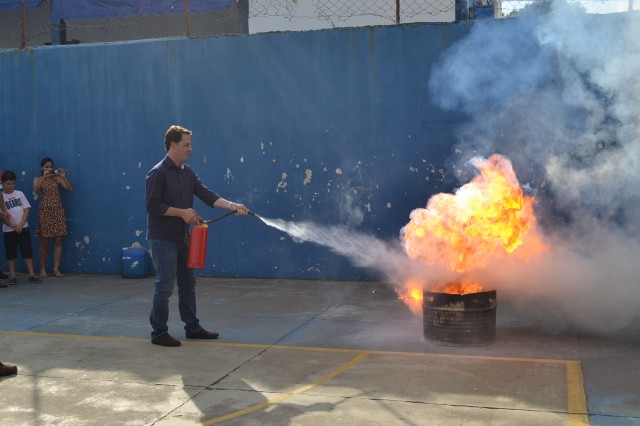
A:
[225,215]
[218,218]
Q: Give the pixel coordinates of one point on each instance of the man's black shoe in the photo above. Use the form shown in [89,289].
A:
[202,334]
[8,369]
[3,276]
[165,340]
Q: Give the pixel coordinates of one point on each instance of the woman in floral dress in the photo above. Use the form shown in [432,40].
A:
[52,221]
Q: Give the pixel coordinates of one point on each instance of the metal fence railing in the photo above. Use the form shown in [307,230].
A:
[392,11]
[26,23]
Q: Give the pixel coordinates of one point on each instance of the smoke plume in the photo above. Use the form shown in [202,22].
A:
[558,94]
[365,251]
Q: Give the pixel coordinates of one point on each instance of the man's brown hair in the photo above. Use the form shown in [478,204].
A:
[174,134]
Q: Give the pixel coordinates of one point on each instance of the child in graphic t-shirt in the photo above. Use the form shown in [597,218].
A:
[3,215]
[16,228]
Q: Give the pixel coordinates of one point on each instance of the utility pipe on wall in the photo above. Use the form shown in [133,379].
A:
[23,35]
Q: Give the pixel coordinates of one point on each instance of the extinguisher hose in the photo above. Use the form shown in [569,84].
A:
[225,215]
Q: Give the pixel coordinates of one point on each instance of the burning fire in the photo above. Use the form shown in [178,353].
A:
[411,295]
[462,287]
[486,219]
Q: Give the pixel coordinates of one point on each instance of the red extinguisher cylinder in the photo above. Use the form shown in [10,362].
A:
[198,246]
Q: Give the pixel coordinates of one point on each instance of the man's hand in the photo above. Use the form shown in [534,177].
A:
[190,216]
[240,209]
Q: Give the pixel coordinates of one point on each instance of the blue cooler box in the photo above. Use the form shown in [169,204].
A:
[136,262]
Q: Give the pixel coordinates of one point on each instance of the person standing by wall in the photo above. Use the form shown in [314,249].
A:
[170,187]
[3,216]
[16,228]
[52,221]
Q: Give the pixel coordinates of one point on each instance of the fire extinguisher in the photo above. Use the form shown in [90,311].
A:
[198,241]
[198,246]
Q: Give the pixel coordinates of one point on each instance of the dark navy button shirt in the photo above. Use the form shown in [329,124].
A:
[171,186]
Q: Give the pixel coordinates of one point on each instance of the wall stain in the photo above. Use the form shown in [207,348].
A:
[282,184]
[308,178]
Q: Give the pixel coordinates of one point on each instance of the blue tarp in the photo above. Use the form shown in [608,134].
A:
[79,9]
[17,4]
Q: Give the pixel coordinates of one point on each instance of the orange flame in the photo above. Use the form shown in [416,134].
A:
[411,295]
[463,287]
[486,219]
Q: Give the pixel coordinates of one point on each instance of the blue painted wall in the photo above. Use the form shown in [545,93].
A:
[300,126]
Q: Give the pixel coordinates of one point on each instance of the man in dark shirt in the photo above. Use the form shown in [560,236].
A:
[170,187]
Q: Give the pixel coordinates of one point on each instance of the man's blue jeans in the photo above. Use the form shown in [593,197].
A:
[170,261]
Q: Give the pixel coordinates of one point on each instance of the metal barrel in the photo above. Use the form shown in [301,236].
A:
[459,319]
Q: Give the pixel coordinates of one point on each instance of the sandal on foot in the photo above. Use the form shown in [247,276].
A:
[58,274]
[43,274]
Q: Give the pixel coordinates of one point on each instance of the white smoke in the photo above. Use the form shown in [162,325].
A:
[559,94]
[365,251]
[350,213]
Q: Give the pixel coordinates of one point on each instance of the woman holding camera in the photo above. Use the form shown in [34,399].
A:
[52,221]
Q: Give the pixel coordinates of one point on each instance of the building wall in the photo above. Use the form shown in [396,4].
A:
[40,28]
[333,127]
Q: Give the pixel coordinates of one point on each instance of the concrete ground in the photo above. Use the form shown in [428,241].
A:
[292,353]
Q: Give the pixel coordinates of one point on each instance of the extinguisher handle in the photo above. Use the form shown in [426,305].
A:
[218,218]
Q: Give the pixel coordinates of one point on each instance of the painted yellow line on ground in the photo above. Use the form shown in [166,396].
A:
[576,396]
[577,410]
[72,336]
[478,357]
[184,342]
[280,347]
[143,340]
[284,396]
